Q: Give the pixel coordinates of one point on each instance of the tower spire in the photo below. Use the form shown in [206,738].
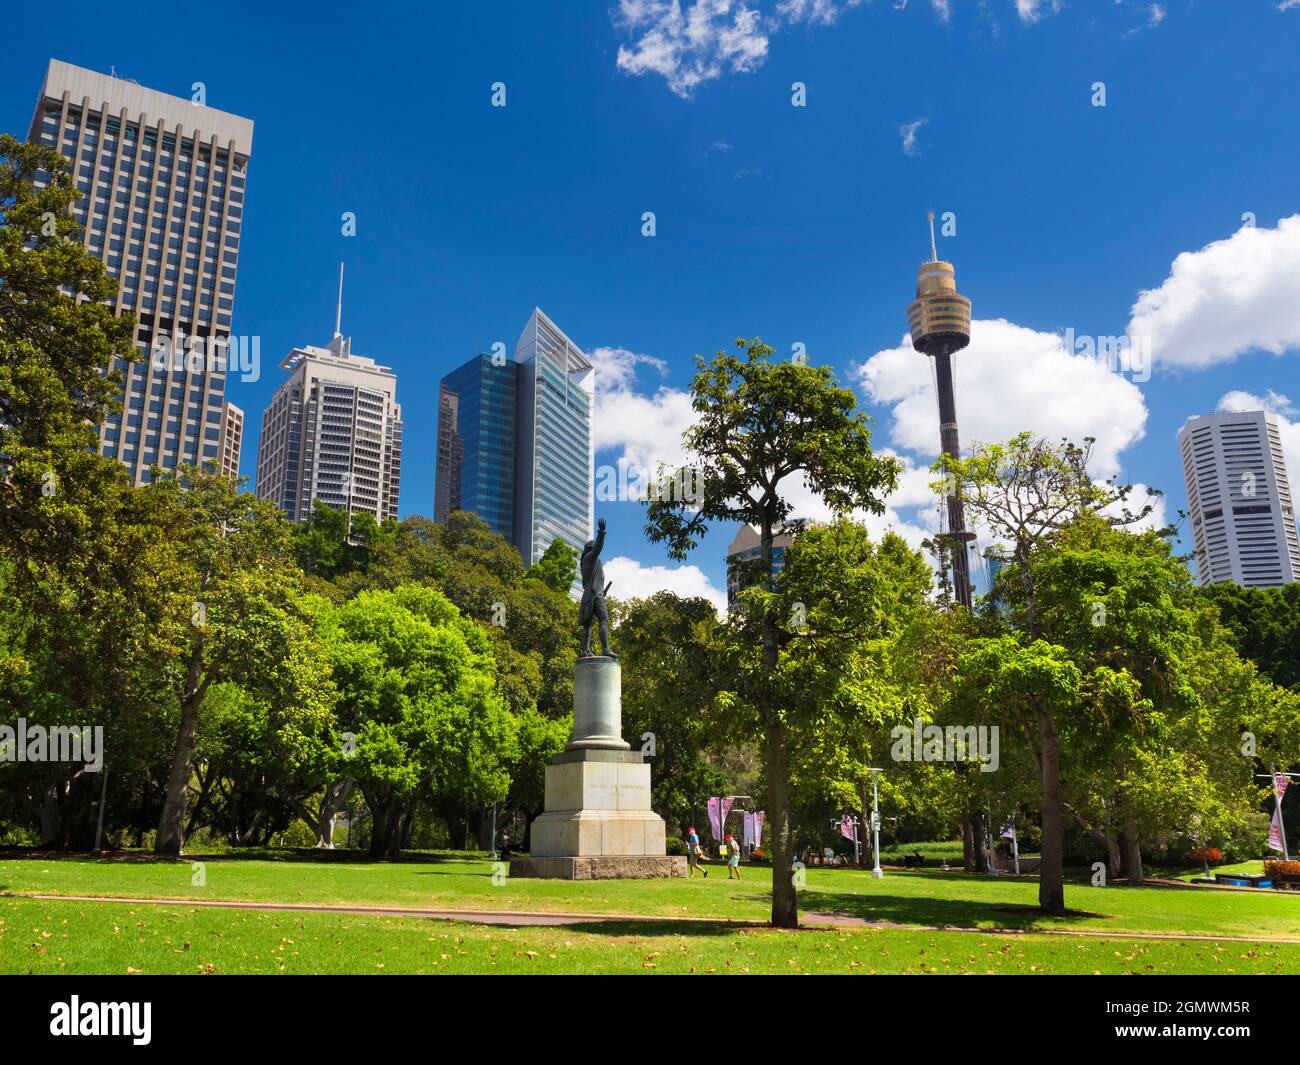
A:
[338,314]
[934,251]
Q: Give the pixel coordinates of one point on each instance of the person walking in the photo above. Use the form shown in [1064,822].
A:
[693,852]
[733,858]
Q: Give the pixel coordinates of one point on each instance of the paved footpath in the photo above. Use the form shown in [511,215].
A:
[535,917]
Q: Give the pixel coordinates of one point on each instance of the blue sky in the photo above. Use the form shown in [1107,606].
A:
[797,224]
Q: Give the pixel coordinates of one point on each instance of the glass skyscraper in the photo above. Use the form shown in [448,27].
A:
[162,202]
[515,444]
[476,443]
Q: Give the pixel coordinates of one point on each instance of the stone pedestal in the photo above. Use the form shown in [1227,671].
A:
[598,823]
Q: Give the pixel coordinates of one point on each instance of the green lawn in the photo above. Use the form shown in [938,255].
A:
[926,897]
[73,937]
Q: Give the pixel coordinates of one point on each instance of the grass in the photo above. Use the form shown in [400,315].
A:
[948,851]
[39,937]
[916,897]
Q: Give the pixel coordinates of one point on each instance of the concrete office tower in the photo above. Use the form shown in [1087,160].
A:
[1243,519]
[162,182]
[232,441]
[515,444]
[333,432]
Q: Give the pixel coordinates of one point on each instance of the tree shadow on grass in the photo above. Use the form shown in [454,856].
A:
[934,912]
[645,929]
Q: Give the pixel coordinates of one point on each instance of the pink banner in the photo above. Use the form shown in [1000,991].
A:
[748,839]
[715,820]
[727,804]
[1275,831]
[758,829]
[1280,782]
[846,828]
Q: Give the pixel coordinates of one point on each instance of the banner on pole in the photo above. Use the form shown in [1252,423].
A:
[715,816]
[1275,831]
[846,828]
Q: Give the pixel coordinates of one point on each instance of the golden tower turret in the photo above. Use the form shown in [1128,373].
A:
[939,317]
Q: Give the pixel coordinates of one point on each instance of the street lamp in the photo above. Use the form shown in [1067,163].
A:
[877,872]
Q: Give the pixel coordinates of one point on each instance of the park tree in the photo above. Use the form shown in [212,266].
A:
[59,368]
[417,689]
[1024,493]
[763,428]
[671,653]
[840,604]
[230,608]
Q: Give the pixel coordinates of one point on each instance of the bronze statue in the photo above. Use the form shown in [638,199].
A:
[594,590]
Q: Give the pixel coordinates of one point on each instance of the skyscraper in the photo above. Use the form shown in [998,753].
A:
[476,442]
[939,321]
[333,432]
[515,444]
[554,454]
[1243,519]
[162,182]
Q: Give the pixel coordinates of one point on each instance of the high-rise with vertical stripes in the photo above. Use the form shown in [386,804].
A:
[1243,518]
[333,432]
[515,440]
[162,183]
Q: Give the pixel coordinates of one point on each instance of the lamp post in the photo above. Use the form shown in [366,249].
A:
[876,872]
[492,849]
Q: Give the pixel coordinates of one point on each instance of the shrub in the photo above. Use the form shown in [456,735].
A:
[675,845]
[1206,854]
[1277,870]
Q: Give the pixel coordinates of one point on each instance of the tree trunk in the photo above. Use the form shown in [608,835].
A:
[171,836]
[785,906]
[967,845]
[1114,862]
[1132,852]
[1051,884]
[979,837]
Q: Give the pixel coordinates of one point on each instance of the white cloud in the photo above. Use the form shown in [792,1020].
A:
[1155,15]
[942,8]
[1287,5]
[1033,10]
[634,580]
[690,42]
[908,132]
[818,12]
[1288,429]
[689,47]
[646,428]
[1010,379]
[1230,297]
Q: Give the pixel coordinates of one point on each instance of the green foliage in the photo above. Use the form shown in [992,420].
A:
[54,386]
[671,655]
[417,688]
[557,568]
[1265,626]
